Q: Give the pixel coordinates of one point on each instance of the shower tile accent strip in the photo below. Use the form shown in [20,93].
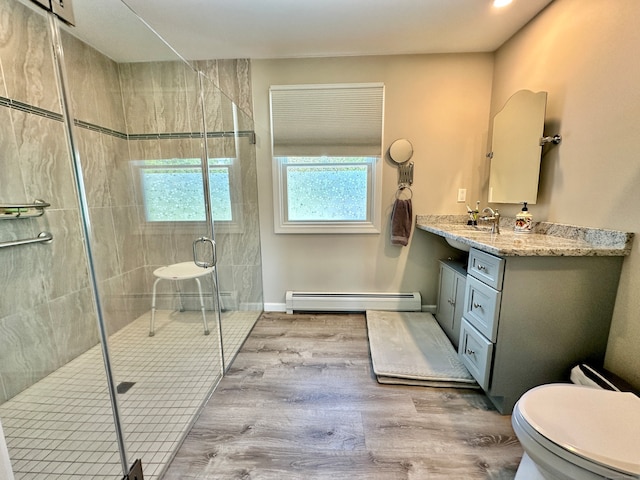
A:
[62,427]
[174,135]
[98,128]
[24,107]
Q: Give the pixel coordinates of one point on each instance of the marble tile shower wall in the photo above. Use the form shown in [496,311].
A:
[242,266]
[119,253]
[46,313]
[46,310]
[233,77]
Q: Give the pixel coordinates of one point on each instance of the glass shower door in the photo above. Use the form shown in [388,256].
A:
[54,397]
[230,149]
[137,129]
[136,173]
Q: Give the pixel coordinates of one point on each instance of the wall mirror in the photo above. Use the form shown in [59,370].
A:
[400,151]
[516,149]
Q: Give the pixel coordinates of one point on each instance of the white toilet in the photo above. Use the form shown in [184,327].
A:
[574,432]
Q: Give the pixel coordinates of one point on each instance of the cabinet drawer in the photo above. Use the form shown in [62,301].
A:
[476,353]
[482,307]
[486,268]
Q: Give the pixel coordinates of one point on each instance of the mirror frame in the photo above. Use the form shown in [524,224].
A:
[401,151]
[516,149]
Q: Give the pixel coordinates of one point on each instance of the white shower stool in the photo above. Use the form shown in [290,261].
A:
[176,272]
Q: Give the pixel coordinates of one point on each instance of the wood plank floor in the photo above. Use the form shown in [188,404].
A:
[301,402]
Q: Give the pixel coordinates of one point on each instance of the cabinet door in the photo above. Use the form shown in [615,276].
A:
[458,308]
[446,299]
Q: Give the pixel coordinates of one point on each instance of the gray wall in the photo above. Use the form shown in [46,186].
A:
[584,54]
[438,102]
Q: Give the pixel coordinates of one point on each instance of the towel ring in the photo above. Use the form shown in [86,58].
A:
[401,188]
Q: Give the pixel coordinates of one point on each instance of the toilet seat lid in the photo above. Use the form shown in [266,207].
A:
[599,425]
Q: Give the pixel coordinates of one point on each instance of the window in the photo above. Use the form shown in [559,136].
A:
[172,191]
[327,142]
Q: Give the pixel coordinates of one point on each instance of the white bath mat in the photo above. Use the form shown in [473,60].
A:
[410,348]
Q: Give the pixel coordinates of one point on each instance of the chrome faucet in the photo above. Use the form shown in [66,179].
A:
[493,218]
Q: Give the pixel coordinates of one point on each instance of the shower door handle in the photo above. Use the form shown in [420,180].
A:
[204,241]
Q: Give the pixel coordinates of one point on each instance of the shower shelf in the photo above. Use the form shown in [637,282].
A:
[27,210]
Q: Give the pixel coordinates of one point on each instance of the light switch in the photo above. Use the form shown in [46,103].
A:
[462,195]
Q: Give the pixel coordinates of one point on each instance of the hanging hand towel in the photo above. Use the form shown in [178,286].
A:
[401,221]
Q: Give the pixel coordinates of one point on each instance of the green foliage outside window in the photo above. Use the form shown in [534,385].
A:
[173,191]
[327,188]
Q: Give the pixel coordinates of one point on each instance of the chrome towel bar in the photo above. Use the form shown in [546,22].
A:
[24,210]
[43,237]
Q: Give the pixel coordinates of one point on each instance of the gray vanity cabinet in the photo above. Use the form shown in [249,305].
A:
[453,276]
[528,320]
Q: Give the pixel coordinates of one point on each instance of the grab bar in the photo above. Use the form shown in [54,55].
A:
[24,210]
[43,237]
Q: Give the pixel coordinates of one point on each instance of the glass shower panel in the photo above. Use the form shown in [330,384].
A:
[54,401]
[141,146]
[234,199]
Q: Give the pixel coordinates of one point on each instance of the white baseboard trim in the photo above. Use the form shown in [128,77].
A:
[275,307]
[429,308]
[282,307]
[300,301]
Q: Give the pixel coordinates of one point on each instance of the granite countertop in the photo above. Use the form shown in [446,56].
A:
[546,239]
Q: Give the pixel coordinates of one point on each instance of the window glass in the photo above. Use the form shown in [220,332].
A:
[172,190]
[327,189]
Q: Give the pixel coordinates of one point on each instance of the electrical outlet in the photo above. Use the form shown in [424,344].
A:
[462,195]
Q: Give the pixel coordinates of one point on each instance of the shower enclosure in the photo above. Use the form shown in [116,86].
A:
[142,163]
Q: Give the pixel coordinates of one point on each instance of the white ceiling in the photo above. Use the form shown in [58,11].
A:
[217,29]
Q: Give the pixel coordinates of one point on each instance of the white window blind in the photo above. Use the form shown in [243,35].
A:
[317,120]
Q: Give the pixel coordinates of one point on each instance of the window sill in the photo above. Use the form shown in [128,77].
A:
[329,228]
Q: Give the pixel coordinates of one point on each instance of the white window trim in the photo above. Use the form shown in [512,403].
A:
[236,225]
[371,226]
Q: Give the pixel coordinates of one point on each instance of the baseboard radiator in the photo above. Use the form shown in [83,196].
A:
[352,302]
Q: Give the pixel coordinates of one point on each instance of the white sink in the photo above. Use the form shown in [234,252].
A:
[456,244]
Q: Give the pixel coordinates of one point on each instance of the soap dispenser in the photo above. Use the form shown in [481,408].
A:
[524,220]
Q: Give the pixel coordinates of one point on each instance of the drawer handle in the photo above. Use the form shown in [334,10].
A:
[481,268]
[470,352]
[477,305]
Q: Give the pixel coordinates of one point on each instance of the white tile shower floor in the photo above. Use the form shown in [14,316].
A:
[63,428]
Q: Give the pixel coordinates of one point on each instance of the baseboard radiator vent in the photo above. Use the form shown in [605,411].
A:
[352,302]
